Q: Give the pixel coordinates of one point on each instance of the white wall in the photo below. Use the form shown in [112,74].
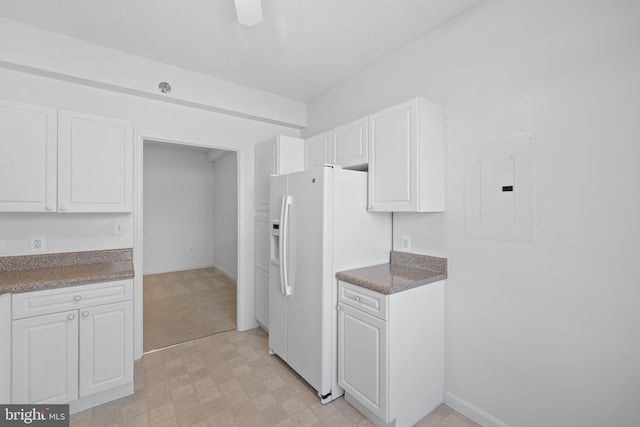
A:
[178,209]
[225,215]
[64,232]
[159,121]
[544,333]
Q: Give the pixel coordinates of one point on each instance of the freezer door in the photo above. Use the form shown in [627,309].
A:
[306,304]
[277,299]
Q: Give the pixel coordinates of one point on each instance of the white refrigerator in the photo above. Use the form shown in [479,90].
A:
[319,225]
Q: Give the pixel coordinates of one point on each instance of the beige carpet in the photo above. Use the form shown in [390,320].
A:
[186,305]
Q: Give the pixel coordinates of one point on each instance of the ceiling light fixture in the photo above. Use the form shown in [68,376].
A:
[249,11]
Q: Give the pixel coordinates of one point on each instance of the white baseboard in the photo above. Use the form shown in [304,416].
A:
[100,398]
[471,411]
[247,325]
[174,269]
[225,272]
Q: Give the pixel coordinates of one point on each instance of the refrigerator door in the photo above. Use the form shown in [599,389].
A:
[277,298]
[306,317]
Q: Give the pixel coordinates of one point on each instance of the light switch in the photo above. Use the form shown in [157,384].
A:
[405,243]
[118,228]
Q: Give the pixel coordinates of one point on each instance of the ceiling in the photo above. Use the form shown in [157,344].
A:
[301,49]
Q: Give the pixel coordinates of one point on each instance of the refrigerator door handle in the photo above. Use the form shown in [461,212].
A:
[281,245]
[284,246]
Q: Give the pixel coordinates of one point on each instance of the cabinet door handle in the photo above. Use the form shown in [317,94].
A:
[77,298]
[49,207]
[63,208]
[338,308]
[85,313]
[71,316]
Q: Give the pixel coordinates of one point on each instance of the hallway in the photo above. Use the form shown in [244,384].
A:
[185,305]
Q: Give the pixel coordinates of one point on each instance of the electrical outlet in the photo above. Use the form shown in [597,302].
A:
[38,243]
[406,243]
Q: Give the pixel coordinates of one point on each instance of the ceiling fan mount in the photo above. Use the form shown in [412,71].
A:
[249,11]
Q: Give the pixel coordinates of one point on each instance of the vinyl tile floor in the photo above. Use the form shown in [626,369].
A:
[229,379]
[185,305]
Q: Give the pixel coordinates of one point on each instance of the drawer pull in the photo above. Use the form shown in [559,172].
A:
[85,313]
[358,299]
[71,316]
[77,298]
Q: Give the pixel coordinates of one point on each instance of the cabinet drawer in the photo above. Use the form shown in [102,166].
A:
[363,299]
[73,297]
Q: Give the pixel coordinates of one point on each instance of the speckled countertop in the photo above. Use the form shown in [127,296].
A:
[405,271]
[37,272]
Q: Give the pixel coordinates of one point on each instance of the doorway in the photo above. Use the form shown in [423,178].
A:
[190,242]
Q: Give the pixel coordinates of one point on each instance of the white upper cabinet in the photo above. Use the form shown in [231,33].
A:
[28,156]
[406,158]
[316,150]
[59,161]
[349,144]
[95,164]
[281,155]
[346,146]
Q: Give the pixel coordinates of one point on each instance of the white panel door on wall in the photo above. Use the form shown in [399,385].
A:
[106,347]
[95,163]
[262,242]
[28,157]
[45,358]
[263,237]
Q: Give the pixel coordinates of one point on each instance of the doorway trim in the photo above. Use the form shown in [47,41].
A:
[138,227]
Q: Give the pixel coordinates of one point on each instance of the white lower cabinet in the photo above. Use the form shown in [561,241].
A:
[79,351]
[391,352]
[262,298]
[363,358]
[106,347]
[45,358]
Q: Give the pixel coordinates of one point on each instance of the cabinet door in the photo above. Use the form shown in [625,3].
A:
[106,347]
[265,167]
[95,164]
[349,144]
[363,359]
[45,358]
[28,157]
[316,150]
[393,159]
[262,297]
[262,242]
